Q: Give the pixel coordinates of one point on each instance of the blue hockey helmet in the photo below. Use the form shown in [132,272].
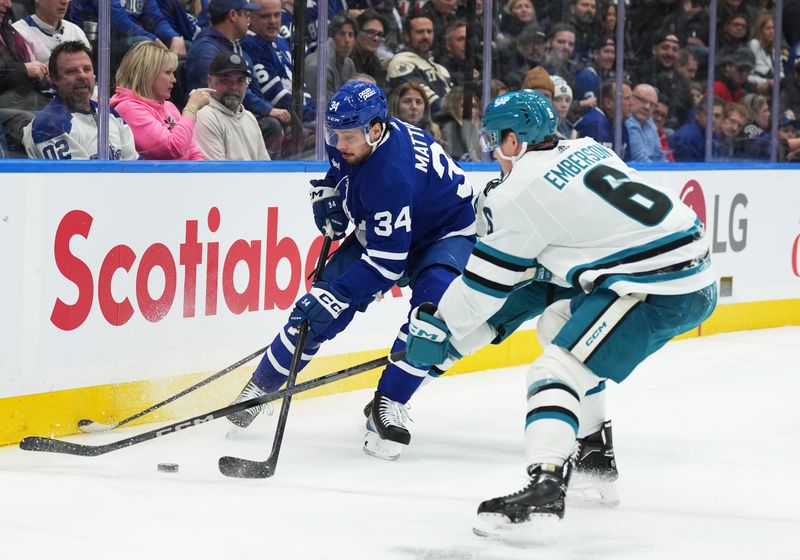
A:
[527,113]
[355,105]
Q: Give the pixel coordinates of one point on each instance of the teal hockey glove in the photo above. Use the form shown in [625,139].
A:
[428,341]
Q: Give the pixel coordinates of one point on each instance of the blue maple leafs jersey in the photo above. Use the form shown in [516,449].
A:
[273,68]
[405,197]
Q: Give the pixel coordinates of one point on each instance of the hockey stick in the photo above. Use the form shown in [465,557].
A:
[50,445]
[244,468]
[91,426]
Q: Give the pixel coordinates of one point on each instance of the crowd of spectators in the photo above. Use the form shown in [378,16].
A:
[212,79]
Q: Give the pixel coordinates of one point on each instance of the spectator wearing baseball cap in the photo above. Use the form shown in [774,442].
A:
[225,129]
[661,73]
[230,20]
[734,68]
[524,52]
[588,79]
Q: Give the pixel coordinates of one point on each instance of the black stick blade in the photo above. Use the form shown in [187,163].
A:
[50,445]
[236,467]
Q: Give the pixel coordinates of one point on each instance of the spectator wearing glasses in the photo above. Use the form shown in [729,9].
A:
[643,140]
[145,80]
[67,127]
[230,20]
[734,33]
[46,28]
[225,129]
[367,53]
[734,119]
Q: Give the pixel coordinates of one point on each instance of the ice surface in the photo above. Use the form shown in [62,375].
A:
[706,435]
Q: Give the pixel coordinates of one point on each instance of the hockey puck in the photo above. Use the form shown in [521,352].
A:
[168,467]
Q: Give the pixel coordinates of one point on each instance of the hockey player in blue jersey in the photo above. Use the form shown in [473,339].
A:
[627,262]
[411,206]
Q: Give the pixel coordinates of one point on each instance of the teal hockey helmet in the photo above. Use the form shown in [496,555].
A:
[527,113]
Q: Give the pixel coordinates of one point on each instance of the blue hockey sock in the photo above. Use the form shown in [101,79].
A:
[273,370]
[400,380]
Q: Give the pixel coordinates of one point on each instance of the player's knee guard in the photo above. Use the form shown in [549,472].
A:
[552,321]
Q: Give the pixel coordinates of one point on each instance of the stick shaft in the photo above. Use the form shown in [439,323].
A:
[35,443]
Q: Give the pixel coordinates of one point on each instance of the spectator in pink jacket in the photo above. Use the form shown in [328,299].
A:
[144,82]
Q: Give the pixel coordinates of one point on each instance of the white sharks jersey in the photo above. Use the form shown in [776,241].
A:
[583,215]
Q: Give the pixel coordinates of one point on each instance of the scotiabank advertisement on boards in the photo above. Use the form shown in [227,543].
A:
[120,277]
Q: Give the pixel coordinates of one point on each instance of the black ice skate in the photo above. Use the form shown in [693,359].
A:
[534,509]
[596,470]
[386,427]
[245,417]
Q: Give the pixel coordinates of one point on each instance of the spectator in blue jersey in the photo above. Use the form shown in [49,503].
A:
[341,40]
[46,28]
[643,140]
[186,18]
[132,21]
[230,20]
[416,63]
[588,79]
[414,224]
[598,122]
[335,7]
[688,143]
[67,127]
[272,59]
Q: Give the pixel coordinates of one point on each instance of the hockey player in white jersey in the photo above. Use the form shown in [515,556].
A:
[569,213]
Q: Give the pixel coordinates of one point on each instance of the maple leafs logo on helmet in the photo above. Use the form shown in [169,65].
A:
[356,104]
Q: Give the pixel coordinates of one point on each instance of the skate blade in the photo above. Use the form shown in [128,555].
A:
[375,446]
[541,528]
[254,430]
[587,491]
